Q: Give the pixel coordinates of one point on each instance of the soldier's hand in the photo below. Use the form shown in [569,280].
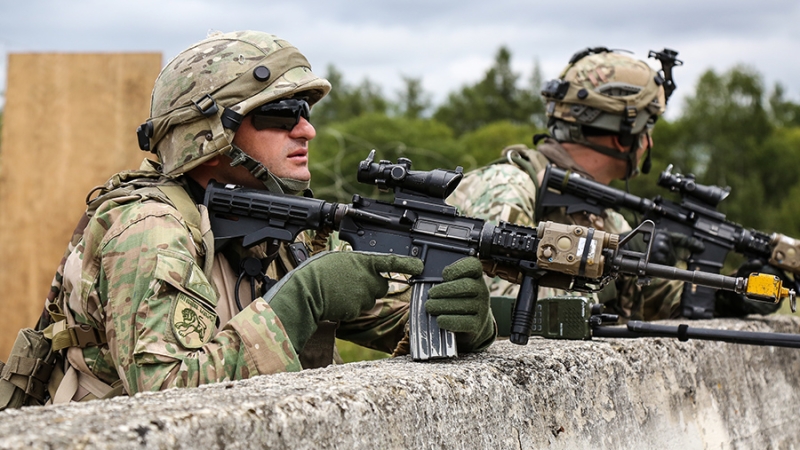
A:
[461,304]
[667,247]
[333,286]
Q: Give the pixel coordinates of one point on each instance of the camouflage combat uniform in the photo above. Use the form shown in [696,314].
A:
[143,301]
[504,191]
[138,277]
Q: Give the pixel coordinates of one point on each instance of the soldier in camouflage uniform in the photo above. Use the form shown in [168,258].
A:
[143,300]
[600,112]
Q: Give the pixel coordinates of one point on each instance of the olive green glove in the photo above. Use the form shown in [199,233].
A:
[461,305]
[334,286]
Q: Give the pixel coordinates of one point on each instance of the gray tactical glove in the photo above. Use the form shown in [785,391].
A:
[461,305]
[334,286]
[668,248]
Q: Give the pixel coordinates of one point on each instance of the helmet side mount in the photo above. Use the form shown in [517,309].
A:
[668,59]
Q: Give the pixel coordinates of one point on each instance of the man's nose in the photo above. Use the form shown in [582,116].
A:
[303,129]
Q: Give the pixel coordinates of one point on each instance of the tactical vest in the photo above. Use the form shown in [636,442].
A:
[34,368]
[530,161]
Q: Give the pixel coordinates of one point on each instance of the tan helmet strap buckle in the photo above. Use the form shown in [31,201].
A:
[206,105]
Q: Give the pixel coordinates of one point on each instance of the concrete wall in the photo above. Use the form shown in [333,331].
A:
[601,394]
[69,123]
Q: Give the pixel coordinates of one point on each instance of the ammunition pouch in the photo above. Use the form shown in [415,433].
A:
[46,365]
[24,378]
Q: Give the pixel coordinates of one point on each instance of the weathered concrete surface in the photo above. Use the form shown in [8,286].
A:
[606,393]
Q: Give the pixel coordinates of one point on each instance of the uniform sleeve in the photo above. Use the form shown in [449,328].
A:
[497,192]
[159,311]
[382,327]
[659,300]
[494,193]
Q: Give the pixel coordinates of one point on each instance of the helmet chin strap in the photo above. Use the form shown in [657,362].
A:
[648,163]
[563,132]
[272,183]
[629,157]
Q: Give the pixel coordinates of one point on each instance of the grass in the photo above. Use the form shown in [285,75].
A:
[352,352]
[785,308]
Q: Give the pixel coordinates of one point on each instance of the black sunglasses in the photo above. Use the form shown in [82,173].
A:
[282,114]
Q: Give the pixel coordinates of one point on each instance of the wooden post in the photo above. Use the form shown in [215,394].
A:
[69,123]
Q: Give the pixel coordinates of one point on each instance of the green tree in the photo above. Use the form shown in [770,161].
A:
[340,146]
[496,97]
[784,112]
[536,82]
[720,138]
[346,101]
[413,101]
[483,145]
[778,161]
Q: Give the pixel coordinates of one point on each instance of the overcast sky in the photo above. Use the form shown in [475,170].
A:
[446,43]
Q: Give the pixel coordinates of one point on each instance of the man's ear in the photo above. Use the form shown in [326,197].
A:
[213,162]
[205,171]
[615,140]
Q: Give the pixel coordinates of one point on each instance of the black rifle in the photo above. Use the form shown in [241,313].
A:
[695,217]
[419,223]
[579,318]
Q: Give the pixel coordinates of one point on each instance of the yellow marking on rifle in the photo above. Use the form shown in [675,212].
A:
[765,287]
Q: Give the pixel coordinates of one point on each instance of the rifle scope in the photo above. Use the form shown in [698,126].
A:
[688,188]
[437,183]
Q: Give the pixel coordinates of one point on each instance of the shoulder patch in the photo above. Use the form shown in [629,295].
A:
[192,323]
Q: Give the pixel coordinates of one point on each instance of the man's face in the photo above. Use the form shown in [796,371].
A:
[283,152]
[619,167]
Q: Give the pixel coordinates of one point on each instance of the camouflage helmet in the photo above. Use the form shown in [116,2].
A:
[202,95]
[601,91]
[605,90]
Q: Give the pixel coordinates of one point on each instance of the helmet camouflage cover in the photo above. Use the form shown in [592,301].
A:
[603,89]
[201,96]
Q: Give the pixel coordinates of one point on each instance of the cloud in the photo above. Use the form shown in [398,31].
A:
[446,43]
